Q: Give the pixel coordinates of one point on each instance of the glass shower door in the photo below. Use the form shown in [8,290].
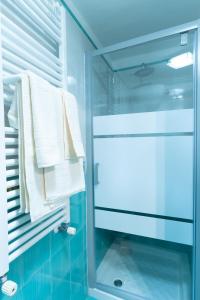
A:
[143,125]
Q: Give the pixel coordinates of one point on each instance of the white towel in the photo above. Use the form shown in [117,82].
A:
[47,116]
[73,143]
[67,178]
[63,180]
[32,185]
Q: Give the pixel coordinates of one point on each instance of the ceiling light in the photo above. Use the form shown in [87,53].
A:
[181,61]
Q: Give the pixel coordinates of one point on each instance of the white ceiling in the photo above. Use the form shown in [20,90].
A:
[113,21]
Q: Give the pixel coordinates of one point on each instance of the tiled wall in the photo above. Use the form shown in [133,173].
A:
[55,268]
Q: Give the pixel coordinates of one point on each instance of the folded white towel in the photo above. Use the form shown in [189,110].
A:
[67,178]
[31,178]
[47,118]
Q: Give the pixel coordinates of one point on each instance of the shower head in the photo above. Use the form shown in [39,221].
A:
[144,71]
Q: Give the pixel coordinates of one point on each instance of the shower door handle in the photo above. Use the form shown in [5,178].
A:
[96,173]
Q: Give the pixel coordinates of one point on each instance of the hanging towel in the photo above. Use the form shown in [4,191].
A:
[73,143]
[47,116]
[31,178]
[67,178]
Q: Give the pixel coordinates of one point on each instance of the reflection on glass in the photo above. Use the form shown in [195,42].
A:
[142,79]
[143,146]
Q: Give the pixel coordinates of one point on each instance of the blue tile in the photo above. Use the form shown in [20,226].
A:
[58,241]
[76,246]
[60,264]
[77,292]
[78,270]
[77,211]
[17,270]
[61,290]
[36,257]
[38,287]
[18,296]
[54,268]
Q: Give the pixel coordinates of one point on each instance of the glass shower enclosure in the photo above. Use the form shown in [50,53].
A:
[142,174]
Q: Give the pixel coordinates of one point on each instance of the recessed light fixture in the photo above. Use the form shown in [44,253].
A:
[181,61]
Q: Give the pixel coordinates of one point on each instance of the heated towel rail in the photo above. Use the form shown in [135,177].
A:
[32,36]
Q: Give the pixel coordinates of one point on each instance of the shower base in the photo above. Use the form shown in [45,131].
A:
[147,271]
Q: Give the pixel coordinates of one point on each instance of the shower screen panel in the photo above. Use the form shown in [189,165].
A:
[143,145]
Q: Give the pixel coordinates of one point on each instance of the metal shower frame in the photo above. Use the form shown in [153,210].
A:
[95,289]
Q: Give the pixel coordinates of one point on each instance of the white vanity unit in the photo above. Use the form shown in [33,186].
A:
[143,167]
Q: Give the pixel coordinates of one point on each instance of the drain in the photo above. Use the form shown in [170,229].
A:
[118,282]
